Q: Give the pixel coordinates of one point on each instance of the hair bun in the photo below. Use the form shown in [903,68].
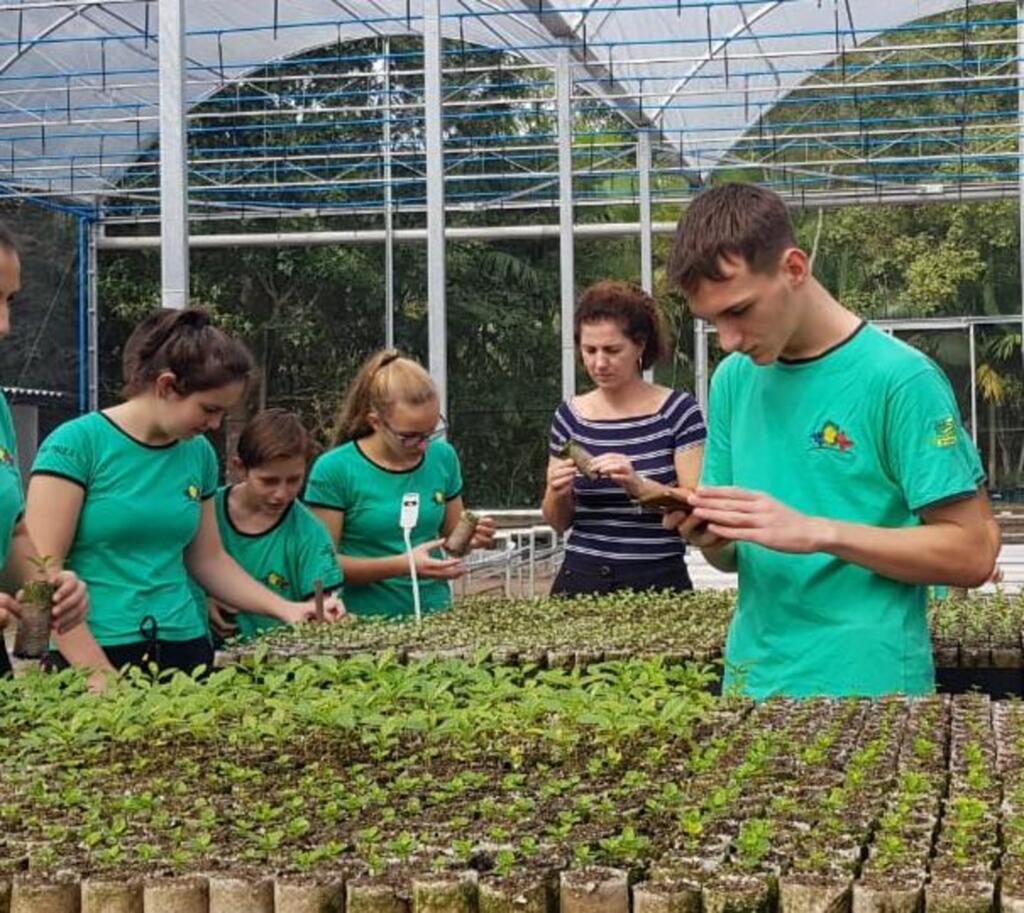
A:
[193,318]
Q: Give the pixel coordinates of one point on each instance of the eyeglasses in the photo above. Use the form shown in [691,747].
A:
[414,438]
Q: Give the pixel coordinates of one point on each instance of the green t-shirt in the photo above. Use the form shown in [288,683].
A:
[287,558]
[142,507]
[868,432]
[12,498]
[370,497]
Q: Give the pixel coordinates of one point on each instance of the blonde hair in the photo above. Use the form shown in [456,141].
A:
[385,378]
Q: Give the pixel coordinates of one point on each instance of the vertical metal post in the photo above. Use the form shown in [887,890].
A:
[389,226]
[83,308]
[700,365]
[93,317]
[433,105]
[1020,160]
[173,157]
[974,384]
[643,167]
[566,251]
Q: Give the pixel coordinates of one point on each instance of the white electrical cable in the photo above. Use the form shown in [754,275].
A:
[407,520]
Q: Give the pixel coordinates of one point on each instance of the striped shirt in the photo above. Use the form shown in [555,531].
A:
[607,525]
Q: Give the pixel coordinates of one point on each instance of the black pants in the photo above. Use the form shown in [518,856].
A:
[579,576]
[5,660]
[186,655]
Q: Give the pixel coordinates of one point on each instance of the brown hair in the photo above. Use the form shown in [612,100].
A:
[636,312]
[385,378]
[730,222]
[185,343]
[273,434]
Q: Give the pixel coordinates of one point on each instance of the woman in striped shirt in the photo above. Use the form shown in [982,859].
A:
[636,431]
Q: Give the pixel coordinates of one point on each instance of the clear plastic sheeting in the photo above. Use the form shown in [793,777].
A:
[79,95]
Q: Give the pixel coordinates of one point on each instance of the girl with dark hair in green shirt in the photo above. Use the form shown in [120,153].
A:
[71,601]
[275,538]
[124,497]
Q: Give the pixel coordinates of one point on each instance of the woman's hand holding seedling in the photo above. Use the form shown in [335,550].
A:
[70,601]
[429,566]
[561,475]
[483,535]
[619,469]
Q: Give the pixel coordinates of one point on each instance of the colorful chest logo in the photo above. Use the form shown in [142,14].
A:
[193,492]
[831,437]
[276,580]
[6,457]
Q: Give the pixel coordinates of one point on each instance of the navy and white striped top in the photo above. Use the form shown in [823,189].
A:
[607,525]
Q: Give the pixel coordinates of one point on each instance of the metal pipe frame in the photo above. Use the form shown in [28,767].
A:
[174,273]
[566,235]
[433,99]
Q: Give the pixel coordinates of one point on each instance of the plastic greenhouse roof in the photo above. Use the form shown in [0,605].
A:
[79,94]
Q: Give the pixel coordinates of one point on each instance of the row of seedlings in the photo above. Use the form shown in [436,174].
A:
[978,631]
[548,632]
[730,848]
[832,820]
[966,858]
[1008,721]
[401,783]
[893,877]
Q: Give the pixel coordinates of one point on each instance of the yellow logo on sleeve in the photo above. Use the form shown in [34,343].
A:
[193,492]
[439,497]
[945,432]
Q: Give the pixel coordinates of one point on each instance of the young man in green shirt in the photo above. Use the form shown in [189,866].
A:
[838,480]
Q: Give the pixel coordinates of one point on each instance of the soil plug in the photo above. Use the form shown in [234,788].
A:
[459,538]
[894,897]
[373,897]
[301,895]
[175,895]
[445,893]
[948,896]
[572,450]
[666,897]
[111,896]
[33,636]
[30,895]
[807,894]
[738,894]
[595,889]
[241,895]
[504,895]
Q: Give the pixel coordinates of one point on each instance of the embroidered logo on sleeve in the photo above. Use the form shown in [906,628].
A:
[945,432]
[439,496]
[193,492]
[832,437]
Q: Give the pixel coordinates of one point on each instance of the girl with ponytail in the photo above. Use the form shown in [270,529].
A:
[123,497]
[389,436]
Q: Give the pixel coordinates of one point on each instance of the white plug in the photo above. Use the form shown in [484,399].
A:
[410,510]
[408,519]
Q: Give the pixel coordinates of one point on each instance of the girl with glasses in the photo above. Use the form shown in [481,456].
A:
[390,445]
